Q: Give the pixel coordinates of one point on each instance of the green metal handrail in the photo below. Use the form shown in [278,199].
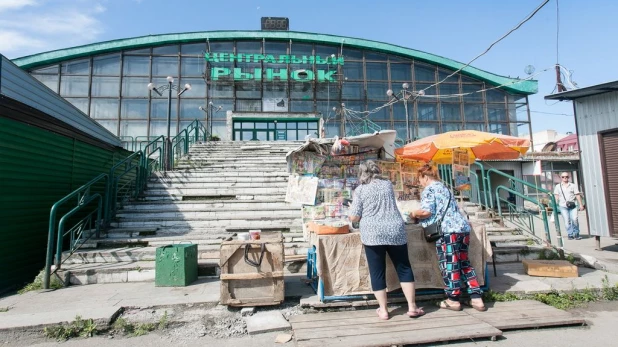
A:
[512,181]
[515,214]
[118,183]
[84,197]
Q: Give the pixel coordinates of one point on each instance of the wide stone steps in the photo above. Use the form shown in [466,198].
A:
[238,205]
[207,215]
[212,185]
[219,181]
[247,223]
[247,197]
[210,174]
[217,191]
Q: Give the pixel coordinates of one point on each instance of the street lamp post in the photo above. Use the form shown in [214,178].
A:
[169,87]
[209,114]
[406,95]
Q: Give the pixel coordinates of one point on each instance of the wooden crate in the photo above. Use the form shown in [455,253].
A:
[550,268]
[245,285]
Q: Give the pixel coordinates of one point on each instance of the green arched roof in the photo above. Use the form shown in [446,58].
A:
[32,61]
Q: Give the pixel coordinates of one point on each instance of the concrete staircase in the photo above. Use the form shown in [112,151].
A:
[216,191]
[509,243]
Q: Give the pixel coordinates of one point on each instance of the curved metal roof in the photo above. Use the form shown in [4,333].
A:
[32,61]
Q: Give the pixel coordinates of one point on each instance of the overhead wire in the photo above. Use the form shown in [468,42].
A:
[396,99]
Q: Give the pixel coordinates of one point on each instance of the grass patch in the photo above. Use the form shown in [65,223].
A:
[4,309]
[124,327]
[78,328]
[561,300]
[37,284]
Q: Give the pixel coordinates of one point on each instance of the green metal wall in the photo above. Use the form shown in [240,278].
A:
[38,168]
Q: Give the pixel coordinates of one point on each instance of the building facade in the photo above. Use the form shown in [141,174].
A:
[268,85]
[596,122]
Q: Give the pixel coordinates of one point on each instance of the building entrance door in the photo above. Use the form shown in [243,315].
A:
[285,129]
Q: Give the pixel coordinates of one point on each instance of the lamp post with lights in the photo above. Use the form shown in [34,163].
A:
[169,87]
[406,94]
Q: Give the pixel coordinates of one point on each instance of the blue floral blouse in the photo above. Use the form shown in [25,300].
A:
[434,199]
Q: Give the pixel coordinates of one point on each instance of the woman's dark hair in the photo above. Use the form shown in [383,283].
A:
[428,170]
[368,171]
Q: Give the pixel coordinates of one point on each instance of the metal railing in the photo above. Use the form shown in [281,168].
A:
[482,193]
[125,180]
[55,238]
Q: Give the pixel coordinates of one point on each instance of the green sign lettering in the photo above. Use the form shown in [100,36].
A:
[270,74]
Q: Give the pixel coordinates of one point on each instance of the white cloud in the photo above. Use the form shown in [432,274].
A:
[49,26]
[7,5]
[14,41]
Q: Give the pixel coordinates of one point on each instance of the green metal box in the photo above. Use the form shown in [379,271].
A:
[176,265]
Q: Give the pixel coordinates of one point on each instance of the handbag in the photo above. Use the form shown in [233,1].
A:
[569,204]
[433,232]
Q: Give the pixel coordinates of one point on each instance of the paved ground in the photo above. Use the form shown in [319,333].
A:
[601,319]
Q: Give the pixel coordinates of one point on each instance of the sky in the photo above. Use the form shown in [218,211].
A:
[573,33]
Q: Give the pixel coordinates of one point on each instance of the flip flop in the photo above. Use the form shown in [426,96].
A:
[380,315]
[416,313]
[476,307]
[444,304]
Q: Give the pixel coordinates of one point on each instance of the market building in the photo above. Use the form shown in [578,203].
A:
[278,85]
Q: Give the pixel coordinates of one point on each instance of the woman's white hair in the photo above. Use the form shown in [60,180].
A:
[368,171]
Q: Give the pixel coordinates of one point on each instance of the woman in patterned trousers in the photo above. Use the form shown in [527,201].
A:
[452,247]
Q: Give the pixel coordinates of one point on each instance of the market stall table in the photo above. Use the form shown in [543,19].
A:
[337,265]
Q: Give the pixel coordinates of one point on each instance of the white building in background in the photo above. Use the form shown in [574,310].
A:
[542,138]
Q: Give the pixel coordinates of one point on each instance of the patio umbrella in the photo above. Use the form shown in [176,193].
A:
[480,145]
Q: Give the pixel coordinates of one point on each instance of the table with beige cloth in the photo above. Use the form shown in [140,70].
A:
[342,265]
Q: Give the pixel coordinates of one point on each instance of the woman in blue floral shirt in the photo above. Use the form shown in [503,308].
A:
[452,247]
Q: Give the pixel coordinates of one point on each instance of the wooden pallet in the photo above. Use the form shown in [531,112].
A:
[362,328]
[524,314]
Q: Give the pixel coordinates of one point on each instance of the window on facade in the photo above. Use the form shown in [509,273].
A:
[473,113]
[377,71]
[104,109]
[50,81]
[451,126]
[136,66]
[193,49]
[192,66]
[427,129]
[106,65]
[444,74]
[449,92]
[472,92]
[250,105]
[165,50]
[105,86]
[76,67]
[190,109]
[158,109]
[352,54]
[275,48]
[80,103]
[450,112]
[198,87]
[301,106]
[496,113]
[377,91]
[220,90]
[353,91]
[135,86]
[254,47]
[220,108]
[494,95]
[427,112]
[249,90]
[382,114]
[325,51]
[134,129]
[424,73]
[300,90]
[328,90]
[401,72]
[474,126]
[164,66]
[353,71]
[134,109]
[74,86]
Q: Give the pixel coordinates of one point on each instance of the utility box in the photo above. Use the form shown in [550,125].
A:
[176,265]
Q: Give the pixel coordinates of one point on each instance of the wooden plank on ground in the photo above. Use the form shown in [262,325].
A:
[363,328]
[550,268]
[524,314]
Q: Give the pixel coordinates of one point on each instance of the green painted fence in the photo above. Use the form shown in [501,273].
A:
[38,168]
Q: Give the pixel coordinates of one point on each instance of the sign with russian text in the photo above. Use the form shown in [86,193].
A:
[270,74]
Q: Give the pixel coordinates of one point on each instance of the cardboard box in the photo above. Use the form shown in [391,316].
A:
[550,268]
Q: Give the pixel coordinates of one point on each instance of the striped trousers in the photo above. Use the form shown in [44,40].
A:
[455,265]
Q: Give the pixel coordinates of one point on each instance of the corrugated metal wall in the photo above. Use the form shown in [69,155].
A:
[38,168]
[595,113]
[18,85]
